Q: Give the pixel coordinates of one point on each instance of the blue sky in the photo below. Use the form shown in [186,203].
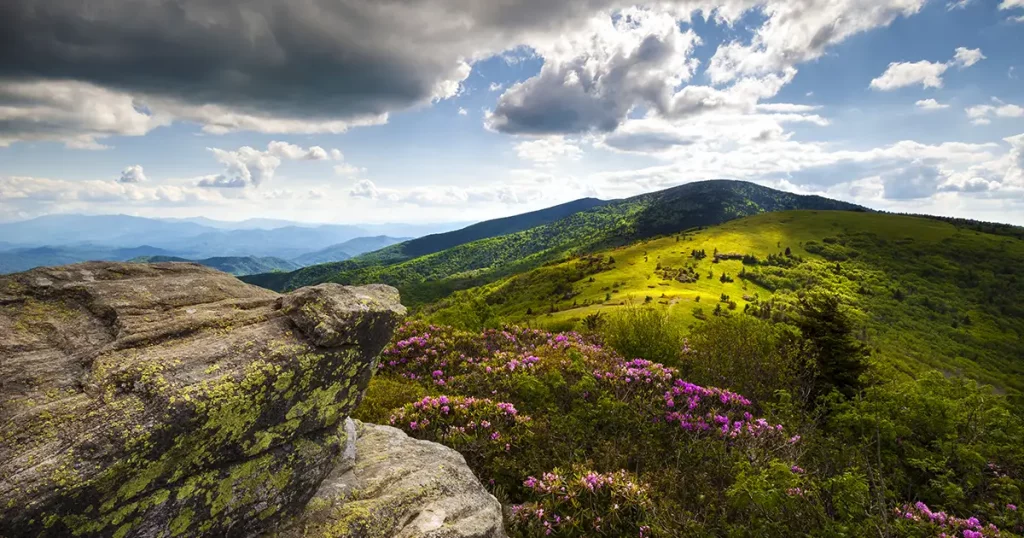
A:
[468,111]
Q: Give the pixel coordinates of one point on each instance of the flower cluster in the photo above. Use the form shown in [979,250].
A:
[924,521]
[582,502]
[710,409]
[463,422]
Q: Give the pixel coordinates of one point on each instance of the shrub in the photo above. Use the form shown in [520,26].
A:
[582,502]
[749,355]
[644,332]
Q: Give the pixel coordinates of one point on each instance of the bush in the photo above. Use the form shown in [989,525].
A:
[644,332]
[582,502]
[746,354]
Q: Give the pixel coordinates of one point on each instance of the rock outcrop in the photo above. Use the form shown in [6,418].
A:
[389,485]
[174,400]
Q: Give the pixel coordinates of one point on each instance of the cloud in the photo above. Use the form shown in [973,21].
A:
[347,169]
[958,4]
[902,74]
[446,195]
[75,113]
[927,74]
[592,77]
[797,32]
[463,111]
[912,182]
[1012,4]
[248,166]
[284,150]
[684,138]
[30,196]
[548,150]
[132,174]
[495,86]
[930,104]
[965,57]
[983,114]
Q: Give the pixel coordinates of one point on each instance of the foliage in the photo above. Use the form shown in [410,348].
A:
[682,458]
[920,293]
[748,355]
[644,332]
[582,502]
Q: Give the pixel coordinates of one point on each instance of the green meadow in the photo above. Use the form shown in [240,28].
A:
[924,293]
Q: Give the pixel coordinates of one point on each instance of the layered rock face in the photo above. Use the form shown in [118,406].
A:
[175,400]
[388,485]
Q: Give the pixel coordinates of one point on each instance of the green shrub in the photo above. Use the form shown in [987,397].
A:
[644,332]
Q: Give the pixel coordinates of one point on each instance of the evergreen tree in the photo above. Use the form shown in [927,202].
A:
[839,358]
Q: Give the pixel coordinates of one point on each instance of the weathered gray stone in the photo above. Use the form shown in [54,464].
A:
[391,485]
[172,399]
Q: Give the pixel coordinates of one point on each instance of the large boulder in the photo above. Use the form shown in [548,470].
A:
[389,485]
[172,399]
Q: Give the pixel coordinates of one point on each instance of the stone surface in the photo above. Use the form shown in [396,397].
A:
[391,485]
[172,399]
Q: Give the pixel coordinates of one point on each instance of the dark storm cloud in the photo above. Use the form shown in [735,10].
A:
[297,59]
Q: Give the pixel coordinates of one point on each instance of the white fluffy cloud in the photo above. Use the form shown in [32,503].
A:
[23,197]
[930,104]
[592,77]
[1012,4]
[446,195]
[248,166]
[77,114]
[965,57]
[799,31]
[902,74]
[132,174]
[983,114]
[927,74]
[548,150]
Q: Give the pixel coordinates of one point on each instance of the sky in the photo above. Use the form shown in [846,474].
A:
[369,111]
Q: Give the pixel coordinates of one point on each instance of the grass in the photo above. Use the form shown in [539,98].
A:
[927,293]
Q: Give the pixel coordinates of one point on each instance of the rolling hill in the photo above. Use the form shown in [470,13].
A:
[435,273]
[235,265]
[927,293]
[346,250]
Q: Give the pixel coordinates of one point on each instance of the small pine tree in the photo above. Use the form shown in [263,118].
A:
[839,358]
[789,253]
[529,311]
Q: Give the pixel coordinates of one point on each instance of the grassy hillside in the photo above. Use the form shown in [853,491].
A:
[432,276]
[235,265]
[925,292]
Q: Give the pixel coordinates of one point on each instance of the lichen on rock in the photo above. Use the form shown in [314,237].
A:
[172,399]
[395,486]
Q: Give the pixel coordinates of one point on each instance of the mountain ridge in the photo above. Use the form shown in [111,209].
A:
[431,276]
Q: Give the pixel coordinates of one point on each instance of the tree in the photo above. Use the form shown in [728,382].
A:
[789,253]
[839,358]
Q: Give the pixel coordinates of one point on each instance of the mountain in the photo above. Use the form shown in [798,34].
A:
[197,237]
[346,250]
[108,230]
[287,242]
[247,224]
[235,265]
[23,259]
[436,274]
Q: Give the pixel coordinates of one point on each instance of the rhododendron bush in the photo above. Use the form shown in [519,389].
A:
[576,440]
